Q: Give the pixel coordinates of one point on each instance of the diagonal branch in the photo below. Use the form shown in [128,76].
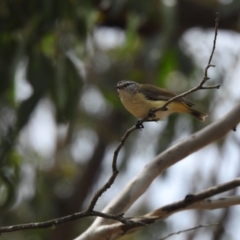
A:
[196,201]
[118,229]
[191,199]
[139,184]
[190,229]
[205,77]
[200,86]
[112,178]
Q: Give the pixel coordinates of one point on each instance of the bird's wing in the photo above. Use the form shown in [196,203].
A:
[159,94]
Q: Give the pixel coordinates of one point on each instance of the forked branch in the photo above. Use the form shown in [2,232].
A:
[200,86]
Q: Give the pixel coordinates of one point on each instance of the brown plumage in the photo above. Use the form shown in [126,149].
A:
[138,99]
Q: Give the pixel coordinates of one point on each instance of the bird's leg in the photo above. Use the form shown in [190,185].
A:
[151,117]
[151,113]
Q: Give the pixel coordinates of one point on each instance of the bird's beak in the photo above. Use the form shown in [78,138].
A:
[117,87]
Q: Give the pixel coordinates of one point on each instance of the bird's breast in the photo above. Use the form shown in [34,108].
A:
[139,106]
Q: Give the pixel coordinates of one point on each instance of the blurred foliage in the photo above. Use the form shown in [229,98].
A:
[66,65]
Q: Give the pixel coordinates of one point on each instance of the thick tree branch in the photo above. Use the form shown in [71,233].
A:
[195,202]
[171,156]
[176,153]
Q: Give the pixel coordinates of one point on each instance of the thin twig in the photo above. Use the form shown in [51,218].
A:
[215,38]
[58,221]
[200,86]
[190,229]
[111,180]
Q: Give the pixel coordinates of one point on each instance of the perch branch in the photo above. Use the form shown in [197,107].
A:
[200,86]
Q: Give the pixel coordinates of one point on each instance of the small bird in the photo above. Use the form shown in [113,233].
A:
[139,99]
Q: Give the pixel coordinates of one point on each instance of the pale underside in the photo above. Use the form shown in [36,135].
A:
[139,107]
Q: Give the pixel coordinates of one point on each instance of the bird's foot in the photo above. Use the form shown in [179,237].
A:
[139,125]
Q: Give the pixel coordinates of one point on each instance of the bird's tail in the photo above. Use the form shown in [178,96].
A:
[199,115]
[185,107]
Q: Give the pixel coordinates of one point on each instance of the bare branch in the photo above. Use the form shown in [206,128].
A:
[176,153]
[200,86]
[89,211]
[190,229]
[211,204]
[196,201]
[190,199]
[171,156]
[111,180]
[58,221]
[214,41]
[118,229]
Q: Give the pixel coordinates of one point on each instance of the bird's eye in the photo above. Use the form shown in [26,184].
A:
[126,84]
[123,84]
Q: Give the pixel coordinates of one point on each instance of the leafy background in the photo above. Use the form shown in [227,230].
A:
[61,118]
